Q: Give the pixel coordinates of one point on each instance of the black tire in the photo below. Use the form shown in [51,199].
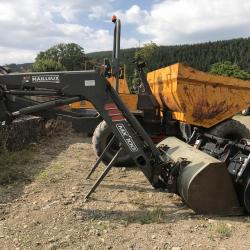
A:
[231,129]
[102,135]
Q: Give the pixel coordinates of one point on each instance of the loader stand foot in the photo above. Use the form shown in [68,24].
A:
[105,172]
[100,158]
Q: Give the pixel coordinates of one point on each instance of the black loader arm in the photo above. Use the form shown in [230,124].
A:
[69,87]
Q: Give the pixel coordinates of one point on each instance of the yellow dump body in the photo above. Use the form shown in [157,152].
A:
[129,99]
[198,98]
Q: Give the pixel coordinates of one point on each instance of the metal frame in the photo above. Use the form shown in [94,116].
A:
[70,87]
[75,86]
[116,52]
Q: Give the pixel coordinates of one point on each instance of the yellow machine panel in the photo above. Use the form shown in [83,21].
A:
[123,86]
[130,101]
[196,97]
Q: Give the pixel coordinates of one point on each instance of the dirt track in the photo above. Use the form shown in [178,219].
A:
[46,210]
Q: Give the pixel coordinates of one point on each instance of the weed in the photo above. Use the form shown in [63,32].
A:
[223,230]
[50,174]
[156,215]
[42,175]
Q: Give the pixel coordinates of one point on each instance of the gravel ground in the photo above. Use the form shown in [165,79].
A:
[44,208]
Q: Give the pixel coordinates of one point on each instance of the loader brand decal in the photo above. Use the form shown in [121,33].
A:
[127,137]
[89,83]
[45,78]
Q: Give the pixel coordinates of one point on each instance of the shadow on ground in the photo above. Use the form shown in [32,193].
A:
[25,165]
[159,214]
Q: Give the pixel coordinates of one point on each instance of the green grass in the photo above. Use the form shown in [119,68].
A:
[157,215]
[50,174]
[219,230]
[42,175]
[223,230]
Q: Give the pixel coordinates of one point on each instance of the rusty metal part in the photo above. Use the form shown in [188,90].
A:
[196,97]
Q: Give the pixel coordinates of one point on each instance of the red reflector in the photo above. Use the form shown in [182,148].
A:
[114,18]
[117,118]
[114,112]
[109,106]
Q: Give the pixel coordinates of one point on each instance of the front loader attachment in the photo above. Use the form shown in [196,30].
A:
[204,183]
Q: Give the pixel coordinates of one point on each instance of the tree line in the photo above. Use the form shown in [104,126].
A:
[229,57]
[233,54]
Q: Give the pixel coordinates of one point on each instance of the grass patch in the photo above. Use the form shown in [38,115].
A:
[223,230]
[50,174]
[12,165]
[156,215]
[42,175]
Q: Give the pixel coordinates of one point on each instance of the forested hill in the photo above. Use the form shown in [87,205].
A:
[24,67]
[200,56]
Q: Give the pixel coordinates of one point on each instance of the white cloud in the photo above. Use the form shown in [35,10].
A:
[69,9]
[182,21]
[13,55]
[132,15]
[30,26]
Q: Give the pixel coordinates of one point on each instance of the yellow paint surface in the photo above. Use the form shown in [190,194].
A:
[196,97]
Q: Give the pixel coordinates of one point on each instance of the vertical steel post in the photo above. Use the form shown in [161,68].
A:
[116,51]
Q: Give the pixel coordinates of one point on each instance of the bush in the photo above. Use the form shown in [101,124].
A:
[228,68]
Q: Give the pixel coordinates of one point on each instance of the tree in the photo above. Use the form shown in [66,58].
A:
[200,56]
[228,68]
[61,57]
[146,53]
[47,65]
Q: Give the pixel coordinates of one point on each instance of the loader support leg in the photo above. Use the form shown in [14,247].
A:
[100,158]
[105,172]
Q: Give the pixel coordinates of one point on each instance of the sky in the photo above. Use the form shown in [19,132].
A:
[30,26]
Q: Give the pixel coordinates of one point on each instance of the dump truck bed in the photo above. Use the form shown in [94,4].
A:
[196,97]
